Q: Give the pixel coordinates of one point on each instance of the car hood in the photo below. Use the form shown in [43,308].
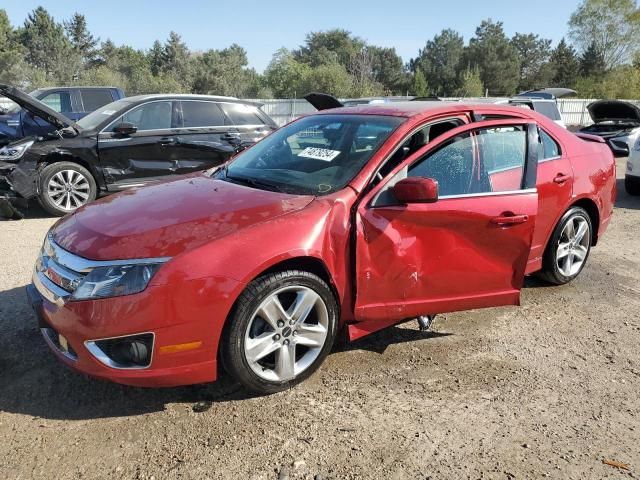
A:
[613,110]
[36,107]
[169,218]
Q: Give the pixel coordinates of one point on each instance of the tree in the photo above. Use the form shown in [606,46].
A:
[11,65]
[420,85]
[47,47]
[440,60]
[495,57]
[81,39]
[285,74]
[225,72]
[175,59]
[387,68]
[592,62]
[331,46]
[329,78]
[471,84]
[565,65]
[534,53]
[155,58]
[611,27]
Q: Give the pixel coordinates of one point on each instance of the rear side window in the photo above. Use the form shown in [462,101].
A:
[58,101]
[548,109]
[201,114]
[240,114]
[547,147]
[94,99]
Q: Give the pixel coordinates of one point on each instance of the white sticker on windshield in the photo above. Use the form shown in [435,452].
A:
[319,153]
[108,112]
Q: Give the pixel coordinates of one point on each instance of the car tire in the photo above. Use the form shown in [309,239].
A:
[269,349]
[569,247]
[65,187]
[632,185]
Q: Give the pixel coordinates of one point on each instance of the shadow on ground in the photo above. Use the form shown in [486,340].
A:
[33,382]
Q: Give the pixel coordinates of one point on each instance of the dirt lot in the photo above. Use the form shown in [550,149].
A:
[549,389]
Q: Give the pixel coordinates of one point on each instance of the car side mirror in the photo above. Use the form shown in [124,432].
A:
[125,128]
[416,190]
[619,148]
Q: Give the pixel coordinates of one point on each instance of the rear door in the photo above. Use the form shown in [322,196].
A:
[205,138]
[140,157]
[250,124]
[467,250]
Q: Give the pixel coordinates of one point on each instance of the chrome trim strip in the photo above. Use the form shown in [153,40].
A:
[489,194]
[49,290]
[97,352]
[46,333]
[84,265]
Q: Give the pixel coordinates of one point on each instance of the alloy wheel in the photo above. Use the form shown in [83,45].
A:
[286,333]
[573,246]
[68,189]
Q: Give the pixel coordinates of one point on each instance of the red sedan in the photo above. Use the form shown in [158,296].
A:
[351,219]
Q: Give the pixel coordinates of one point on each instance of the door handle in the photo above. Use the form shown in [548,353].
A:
[506,220]
[561,178]
[168,141]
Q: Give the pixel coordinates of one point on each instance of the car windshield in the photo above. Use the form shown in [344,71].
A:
[316,155]
[102,115]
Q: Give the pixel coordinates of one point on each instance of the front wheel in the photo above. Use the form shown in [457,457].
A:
[65,187]
[568,248]
[283,327]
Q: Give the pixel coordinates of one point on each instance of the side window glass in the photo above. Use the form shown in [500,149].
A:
[241,114]
[201,114]
[58,101]
[547,146]
[150,116]
[485,161]
[94,99]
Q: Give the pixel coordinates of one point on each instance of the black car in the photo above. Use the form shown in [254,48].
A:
[73,102]
[127,143]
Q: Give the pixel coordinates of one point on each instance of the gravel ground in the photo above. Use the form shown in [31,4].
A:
[549,389]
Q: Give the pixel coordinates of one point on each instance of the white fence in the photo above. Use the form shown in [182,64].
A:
[574,111]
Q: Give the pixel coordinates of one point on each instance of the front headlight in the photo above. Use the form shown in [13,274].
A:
[115,281]
[11,153]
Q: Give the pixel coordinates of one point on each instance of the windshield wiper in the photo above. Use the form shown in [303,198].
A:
[252,182]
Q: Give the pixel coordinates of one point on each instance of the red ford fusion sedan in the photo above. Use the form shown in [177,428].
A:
[351,219]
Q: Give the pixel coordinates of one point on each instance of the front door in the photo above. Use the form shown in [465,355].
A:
[135,159]
[467,250]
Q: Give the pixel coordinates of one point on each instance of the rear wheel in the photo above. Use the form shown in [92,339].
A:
[568,248]
[65,187]
[282,329]
[632,185]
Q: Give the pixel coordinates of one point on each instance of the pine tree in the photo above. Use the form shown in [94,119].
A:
[565,64]
[592,62]
[420,85]
[81,39]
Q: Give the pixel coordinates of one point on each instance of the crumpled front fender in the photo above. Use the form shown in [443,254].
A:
[21,178]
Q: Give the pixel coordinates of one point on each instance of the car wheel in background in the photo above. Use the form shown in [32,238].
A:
[282,328]
[65,187]
[632,185]
[568,248]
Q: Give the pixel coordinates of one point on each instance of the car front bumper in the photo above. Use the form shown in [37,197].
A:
[69,327]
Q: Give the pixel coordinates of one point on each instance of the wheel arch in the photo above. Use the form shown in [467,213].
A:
[58,157]
[594,214]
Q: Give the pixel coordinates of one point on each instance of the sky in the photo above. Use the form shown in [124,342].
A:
[263,27]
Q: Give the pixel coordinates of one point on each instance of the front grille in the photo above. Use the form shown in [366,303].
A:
[58,265]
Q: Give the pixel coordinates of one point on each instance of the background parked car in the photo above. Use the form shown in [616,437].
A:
[73,102]
[128,143]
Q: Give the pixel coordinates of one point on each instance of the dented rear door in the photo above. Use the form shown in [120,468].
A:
[461,252]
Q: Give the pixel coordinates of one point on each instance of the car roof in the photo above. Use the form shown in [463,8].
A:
[46,89]
[415,108]
[186,96]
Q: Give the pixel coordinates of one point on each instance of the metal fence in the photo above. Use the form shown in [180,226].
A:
[574,110]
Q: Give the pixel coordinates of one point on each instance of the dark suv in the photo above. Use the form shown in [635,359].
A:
[73,102]
[128,143]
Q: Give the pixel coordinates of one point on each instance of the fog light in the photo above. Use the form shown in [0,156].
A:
[128,352]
